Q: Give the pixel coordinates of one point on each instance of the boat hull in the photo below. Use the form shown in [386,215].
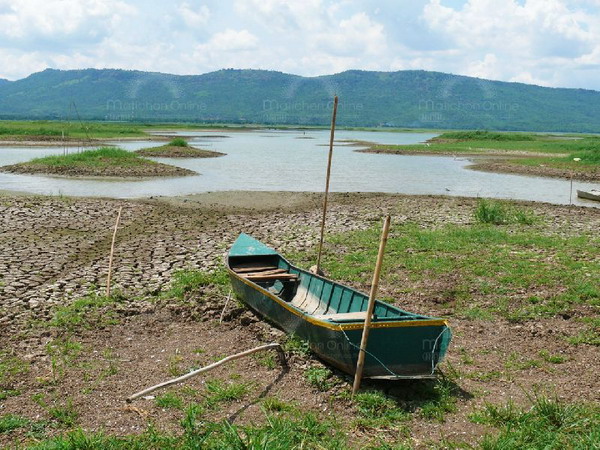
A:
[589,195]
[409,349]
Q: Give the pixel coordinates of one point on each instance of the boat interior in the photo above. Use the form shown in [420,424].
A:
[312,294]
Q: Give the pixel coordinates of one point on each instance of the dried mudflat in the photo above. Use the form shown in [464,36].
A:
[55,250]
[172,151]
[148,169]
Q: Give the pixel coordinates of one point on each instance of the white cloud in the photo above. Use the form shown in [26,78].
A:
[24,22]
[512,40]
[550,42]
[194,16]
[231,41]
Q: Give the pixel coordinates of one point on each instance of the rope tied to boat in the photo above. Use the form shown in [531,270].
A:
[435,344]
[392,373]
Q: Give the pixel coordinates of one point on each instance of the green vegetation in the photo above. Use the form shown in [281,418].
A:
[410,98]
[74,130]
[481,135]
[319,377]
[565,155]
[549,423]
[516,271]
[220,391]
[102,157]
[178,142]
[12,422]
[11,369]
[376,410]
[106,161]
[293,431]
[169,400]
[63,352]
[91,311]
[499,213]
[188,280]
[294,344]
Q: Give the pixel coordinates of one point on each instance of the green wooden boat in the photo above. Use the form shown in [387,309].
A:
[330,316]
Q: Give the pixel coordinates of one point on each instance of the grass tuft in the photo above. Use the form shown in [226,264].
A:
[178,142]
[549,423]
[319,377]
[186,281]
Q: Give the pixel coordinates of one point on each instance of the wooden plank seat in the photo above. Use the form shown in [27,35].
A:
[271,277]
[252,268]
[358,315]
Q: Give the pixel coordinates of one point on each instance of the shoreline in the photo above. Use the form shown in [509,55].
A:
[491,160]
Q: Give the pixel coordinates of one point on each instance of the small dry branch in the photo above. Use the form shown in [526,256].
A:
[273,346]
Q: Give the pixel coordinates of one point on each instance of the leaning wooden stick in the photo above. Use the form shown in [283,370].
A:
[112,252]
[374,286]
[275,346]
[335,104]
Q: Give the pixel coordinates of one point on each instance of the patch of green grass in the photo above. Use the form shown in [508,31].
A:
[590,335]
[266,359]
[554,359]
[282,431]
[169,400]
[10,422]
[187,281]
[376,410]
[274,404]
[319,378]
[219,391]
[439,398]
[514,272]
[11,369]
[483,135]
[92,311]
[549,423]
[297,345]
[178,142]
[500,213]
[63,352]
[102,157]
[69,129]
[65,414]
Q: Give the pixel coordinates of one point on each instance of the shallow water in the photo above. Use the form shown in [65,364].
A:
[278,160]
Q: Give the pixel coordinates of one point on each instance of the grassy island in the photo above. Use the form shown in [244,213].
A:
[103,162]
[565,156]
[178,148]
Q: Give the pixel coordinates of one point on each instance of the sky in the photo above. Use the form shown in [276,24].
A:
[546,42]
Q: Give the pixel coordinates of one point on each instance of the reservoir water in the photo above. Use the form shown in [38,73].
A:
[275,160]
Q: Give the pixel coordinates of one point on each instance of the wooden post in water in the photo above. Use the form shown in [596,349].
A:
[335,104]
[112,252]
[374,286]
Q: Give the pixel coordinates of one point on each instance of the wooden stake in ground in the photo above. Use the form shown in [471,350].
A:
[275,346]
[112,252]
[335,104]
[374,286]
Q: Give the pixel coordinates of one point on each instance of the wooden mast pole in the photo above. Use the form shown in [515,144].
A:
[374,286]
[335,105]
[112,252]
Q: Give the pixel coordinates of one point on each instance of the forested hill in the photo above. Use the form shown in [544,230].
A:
[394,99]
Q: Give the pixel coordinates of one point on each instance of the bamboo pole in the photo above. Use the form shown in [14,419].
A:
[374,287]
[210,367]
[331,136]
[112,252]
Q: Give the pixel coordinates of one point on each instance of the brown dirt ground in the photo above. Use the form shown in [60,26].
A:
[153,337]
[540,170]
[150,169]
[171,151]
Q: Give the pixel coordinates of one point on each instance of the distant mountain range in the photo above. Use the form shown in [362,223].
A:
[411,98]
